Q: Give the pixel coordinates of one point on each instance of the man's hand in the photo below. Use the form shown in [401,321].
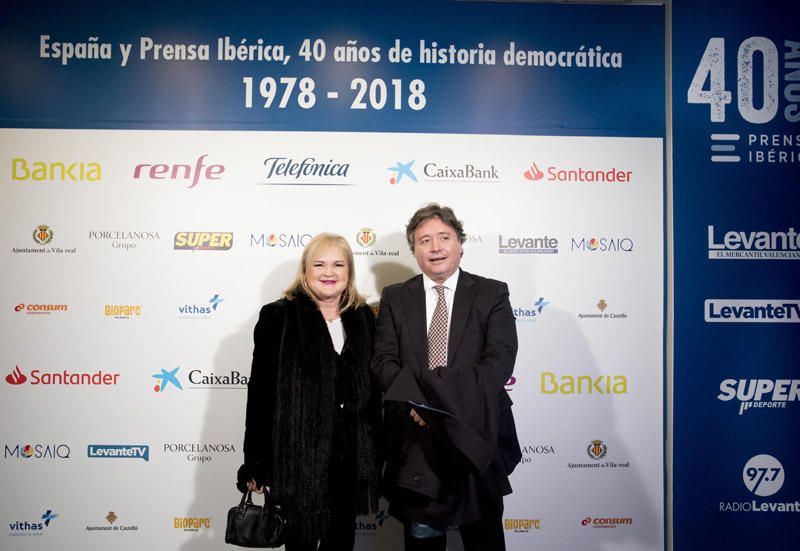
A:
[417,419]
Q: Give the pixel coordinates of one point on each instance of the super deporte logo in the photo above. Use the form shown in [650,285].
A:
[759,393]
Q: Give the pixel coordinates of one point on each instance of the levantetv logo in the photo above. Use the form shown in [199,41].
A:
[119,451]
[286,171]
[718,310]
[754,245]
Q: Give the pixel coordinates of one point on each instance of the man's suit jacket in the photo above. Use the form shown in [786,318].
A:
[476,437]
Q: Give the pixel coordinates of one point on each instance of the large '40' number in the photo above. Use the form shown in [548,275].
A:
[717,97]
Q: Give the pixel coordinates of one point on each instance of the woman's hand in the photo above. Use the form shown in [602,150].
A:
[417,419]
[252,487]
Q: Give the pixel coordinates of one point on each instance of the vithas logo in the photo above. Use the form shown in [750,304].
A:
[16,377]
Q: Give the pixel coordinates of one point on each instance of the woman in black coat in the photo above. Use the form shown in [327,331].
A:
[312,414]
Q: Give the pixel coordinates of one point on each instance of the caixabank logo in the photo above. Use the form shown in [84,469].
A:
[65,377]
[571,174]
[737,244]
[32,527]
[721,310]
[459,172]
[760,394]
[198,379]
[763,475]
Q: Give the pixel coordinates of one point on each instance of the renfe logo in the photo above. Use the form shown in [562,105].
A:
[720,310]
[179,171]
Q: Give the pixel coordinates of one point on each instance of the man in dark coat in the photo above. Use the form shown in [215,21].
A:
[445,345]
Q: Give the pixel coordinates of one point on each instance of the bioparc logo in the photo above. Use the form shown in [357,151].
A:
[719,310]
[62,378]
[32,527]
[37,451]
[203,241]
[531,313]
[190,174]
[763,475]
[118,451]
[43,235]
[40,309]
[400,171]
[579,174]
[522,525]
[754,245]
[279,240]
[122,311]
[366,239]
[759,393]
[200,311]
[602,244]
[191,524]
[287,171]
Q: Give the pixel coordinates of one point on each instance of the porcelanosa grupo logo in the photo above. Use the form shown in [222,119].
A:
[530,313]
[532,451]
[123,240]
[754,245]
[400,171]
[191,174]
[287,171]
[198,452]
[577,174]
[762,394]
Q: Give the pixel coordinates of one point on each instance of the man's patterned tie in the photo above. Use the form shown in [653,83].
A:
[437,334]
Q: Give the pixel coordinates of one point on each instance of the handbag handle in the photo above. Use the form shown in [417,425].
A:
[247,499]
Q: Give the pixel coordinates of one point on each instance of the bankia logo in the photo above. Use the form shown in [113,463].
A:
[402,170]
[265,240]
[459,172]
[203,241]
[190,174]
[124,240]
[602,244]
[62,378]
[579,174]
[118,451]
[531,313]
[200,311]
[287,171]
[719,310]
[32,527]
[583,384]
[763,475]
[43,235]
[754,245]
[40,309]
[524,244]
[26,170]
[764,394]
[37,451]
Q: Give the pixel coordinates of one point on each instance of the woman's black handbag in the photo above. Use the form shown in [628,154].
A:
[252,525]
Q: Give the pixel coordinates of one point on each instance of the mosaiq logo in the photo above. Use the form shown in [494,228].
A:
[577,174]
[191,174]
[280,240]
[37,451]
[754,245]
[308,171]
[602,244]
[759,393]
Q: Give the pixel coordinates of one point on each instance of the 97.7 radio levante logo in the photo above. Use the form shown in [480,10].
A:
[761,97]
[763,475]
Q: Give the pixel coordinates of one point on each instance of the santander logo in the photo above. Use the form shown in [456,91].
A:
[16,377]
[533,173]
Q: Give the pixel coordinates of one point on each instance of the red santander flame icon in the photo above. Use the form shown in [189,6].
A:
[16,377]
[533,173]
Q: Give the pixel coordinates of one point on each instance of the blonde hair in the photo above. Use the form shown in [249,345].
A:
[350,297]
